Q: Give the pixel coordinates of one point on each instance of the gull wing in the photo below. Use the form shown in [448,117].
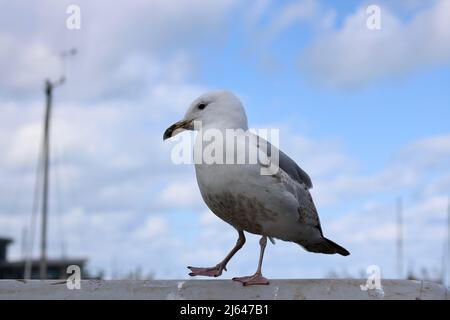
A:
[289,166]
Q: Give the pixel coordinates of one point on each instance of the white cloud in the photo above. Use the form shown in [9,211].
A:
[371,233]
[181,194]
[294,12]
[122,48]
[319,158]
[23,146]
[256,11]
[411,166]
[36,61]
[265,22]
[355,55]
[153,227]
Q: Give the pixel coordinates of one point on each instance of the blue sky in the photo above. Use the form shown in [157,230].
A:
[364,112]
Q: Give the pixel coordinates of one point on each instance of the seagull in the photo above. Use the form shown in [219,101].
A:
[274,205]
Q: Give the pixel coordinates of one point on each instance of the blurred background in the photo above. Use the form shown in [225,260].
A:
[364,111]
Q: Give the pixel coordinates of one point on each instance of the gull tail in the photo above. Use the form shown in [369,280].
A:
[337,248]
[325,246]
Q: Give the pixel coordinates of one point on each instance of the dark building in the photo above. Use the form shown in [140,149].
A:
[4,242]
[56,268]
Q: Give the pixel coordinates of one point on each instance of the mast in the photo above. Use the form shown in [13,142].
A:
[46,160]
[49,87]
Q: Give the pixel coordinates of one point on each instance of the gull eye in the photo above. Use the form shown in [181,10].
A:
[202,106]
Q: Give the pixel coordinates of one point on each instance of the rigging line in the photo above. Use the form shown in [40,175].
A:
[34,209]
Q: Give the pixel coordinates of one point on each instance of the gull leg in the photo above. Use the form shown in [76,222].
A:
[217,270]
[257,278]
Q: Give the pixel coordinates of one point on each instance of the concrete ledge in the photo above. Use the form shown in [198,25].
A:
[307,289]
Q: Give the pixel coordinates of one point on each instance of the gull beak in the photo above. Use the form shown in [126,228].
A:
[176,128]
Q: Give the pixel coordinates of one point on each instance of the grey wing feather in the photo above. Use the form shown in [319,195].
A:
[293,170]
[290,167]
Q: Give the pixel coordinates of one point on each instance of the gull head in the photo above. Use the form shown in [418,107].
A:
[214,109]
